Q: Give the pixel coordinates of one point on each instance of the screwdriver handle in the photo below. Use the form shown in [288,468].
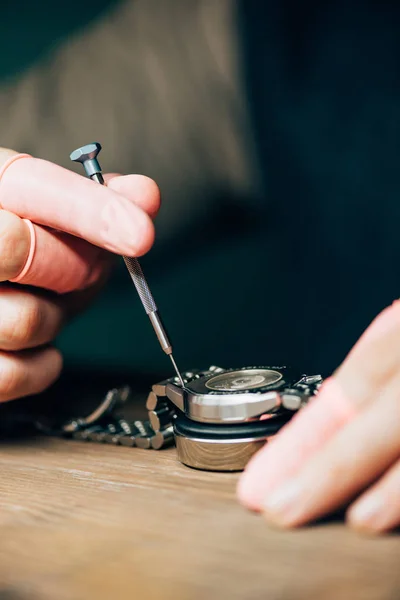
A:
[87,156]
[136,273]
[132,264]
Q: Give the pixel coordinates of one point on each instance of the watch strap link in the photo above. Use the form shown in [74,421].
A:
[107,423]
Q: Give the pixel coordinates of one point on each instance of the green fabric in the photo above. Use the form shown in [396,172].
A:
[302,275]
[29,31]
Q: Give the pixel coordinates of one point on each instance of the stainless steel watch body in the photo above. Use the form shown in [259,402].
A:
[238,395]
[223,416]
[218,419]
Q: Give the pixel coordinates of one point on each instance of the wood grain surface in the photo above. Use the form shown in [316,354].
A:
[82,521]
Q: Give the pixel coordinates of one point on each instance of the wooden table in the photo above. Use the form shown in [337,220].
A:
[83,521]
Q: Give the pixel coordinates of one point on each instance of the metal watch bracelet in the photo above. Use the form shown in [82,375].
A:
[106,424]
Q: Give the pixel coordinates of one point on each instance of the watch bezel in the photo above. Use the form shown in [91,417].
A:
[210,406]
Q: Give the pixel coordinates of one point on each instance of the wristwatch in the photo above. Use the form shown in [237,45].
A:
[218,419]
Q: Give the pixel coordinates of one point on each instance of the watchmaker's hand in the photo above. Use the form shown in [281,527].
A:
[55,230]
[344,447]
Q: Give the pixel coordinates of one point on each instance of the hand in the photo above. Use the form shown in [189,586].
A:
[343,449]
[55,230]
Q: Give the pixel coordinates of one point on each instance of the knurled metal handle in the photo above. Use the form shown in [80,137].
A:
[136,273]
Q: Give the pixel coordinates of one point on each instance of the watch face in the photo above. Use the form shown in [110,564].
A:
[232,395]
[244,379]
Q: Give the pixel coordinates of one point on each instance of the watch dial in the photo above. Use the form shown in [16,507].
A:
[246,379]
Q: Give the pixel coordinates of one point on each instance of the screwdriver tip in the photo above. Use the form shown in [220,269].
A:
[177,370]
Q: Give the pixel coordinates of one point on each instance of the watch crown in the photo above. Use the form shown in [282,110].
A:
[292,399]
[312,379]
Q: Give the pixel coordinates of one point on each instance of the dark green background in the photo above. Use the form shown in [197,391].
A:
[297,278]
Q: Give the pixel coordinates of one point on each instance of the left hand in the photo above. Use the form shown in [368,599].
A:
[55,230]
[343,449]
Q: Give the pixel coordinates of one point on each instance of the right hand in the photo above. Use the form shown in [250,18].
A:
[76,224]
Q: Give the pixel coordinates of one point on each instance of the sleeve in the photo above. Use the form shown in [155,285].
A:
[159,85]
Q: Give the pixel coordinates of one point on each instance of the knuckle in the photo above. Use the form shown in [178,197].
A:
[30,322]
[14,245]
[22,324]
[54,362]
[29,372]
[11,379]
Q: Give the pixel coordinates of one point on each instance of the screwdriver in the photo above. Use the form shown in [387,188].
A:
[87,156]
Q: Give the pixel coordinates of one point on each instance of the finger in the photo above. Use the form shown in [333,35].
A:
[27,373]
[27,319]
[378,509]
[141,190]
[33,255]
[61,263]
[304,435]
[15,242]
[357,455]
[81,299]
[374,360]
[55,197]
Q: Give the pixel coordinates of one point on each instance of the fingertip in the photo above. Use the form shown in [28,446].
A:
[363,528]
[366,514]
[28,372]
[153,195]
[252,483]
[140,189]
[146,237]
[58,358]
[245,493]
[54,361]
[55,355]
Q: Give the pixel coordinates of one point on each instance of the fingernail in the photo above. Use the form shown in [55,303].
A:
[280,502]
[366,511]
